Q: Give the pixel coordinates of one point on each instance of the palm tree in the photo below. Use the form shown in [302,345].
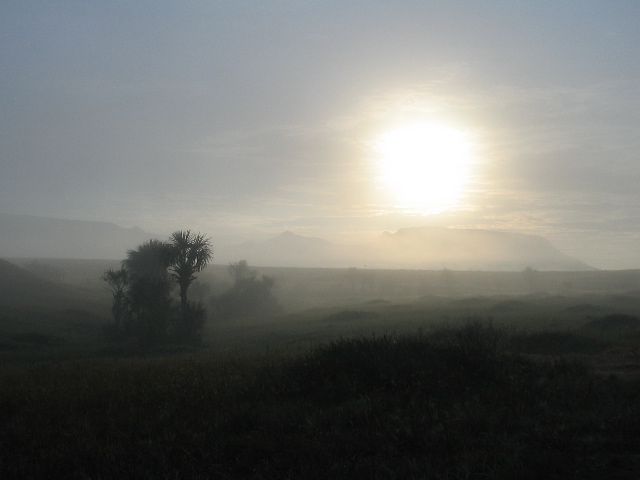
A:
[190,253]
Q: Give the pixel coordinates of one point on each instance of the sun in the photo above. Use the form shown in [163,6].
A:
[424,165]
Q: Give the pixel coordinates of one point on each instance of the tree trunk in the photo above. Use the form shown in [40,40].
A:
[183,302]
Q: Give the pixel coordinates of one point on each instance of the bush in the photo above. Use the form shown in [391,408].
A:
[408,406]
[554,343]
[249,294]
[188,327]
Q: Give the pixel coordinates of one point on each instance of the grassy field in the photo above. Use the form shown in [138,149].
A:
[449,404]
[370,384]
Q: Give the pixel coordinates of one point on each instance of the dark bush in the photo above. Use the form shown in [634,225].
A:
[616,322]
[249,294]
[554,343]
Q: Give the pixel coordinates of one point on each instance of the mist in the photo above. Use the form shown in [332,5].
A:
[319,239]
[246,121]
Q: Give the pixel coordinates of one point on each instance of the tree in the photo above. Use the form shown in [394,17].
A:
[248,295]
[190,254]
[240,271]
[142,288]
[151,259]
[118,281]
[149,292]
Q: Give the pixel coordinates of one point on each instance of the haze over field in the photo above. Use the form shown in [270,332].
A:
[339,120]
[429,248]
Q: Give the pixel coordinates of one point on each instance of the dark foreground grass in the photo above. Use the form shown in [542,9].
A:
[447,406]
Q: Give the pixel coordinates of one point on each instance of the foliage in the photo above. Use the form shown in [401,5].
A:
[240,271]
[142,290]
[118,281]
[554,343]
[614,322]
[248,295]
[190,254]
[149,290]
[192,321]
[149,260]
[412,406]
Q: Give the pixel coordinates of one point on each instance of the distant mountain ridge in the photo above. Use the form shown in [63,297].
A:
[476,249]
[25,236]
[426,248]
[422,248]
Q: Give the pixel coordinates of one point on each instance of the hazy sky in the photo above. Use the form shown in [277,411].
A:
[243,119]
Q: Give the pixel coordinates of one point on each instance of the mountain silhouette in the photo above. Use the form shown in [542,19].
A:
[25,236]
[428,248]
[472,249]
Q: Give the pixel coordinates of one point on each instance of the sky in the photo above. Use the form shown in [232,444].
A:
[244,119]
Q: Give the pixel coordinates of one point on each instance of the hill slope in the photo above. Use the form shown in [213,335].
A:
[29,303]
[20,287]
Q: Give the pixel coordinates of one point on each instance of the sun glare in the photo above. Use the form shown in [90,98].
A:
[424,165]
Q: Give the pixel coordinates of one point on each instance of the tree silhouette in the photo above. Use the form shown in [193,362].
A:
[142,288]
[151,259]
[248,295]
[149,292]
[118,281]
[190,253]
[240,271]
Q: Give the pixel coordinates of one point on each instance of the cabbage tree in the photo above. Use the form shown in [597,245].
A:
[190,254]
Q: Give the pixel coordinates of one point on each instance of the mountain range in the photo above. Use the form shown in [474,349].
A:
[26,236]
[426,248]
[429,248]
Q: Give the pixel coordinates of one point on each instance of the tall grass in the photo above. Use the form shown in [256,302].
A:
[443,405]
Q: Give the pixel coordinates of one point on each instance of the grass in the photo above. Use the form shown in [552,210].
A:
[445,404]
[329,392]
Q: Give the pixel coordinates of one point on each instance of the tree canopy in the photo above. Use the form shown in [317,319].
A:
[142,288]
[190,254]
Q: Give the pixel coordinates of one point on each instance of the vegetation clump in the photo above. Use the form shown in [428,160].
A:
[144,307]
[615,322]
[249,295]
[142,304]
[555,343]
[444,405]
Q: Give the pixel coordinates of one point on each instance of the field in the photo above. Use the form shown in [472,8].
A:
[383,374]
